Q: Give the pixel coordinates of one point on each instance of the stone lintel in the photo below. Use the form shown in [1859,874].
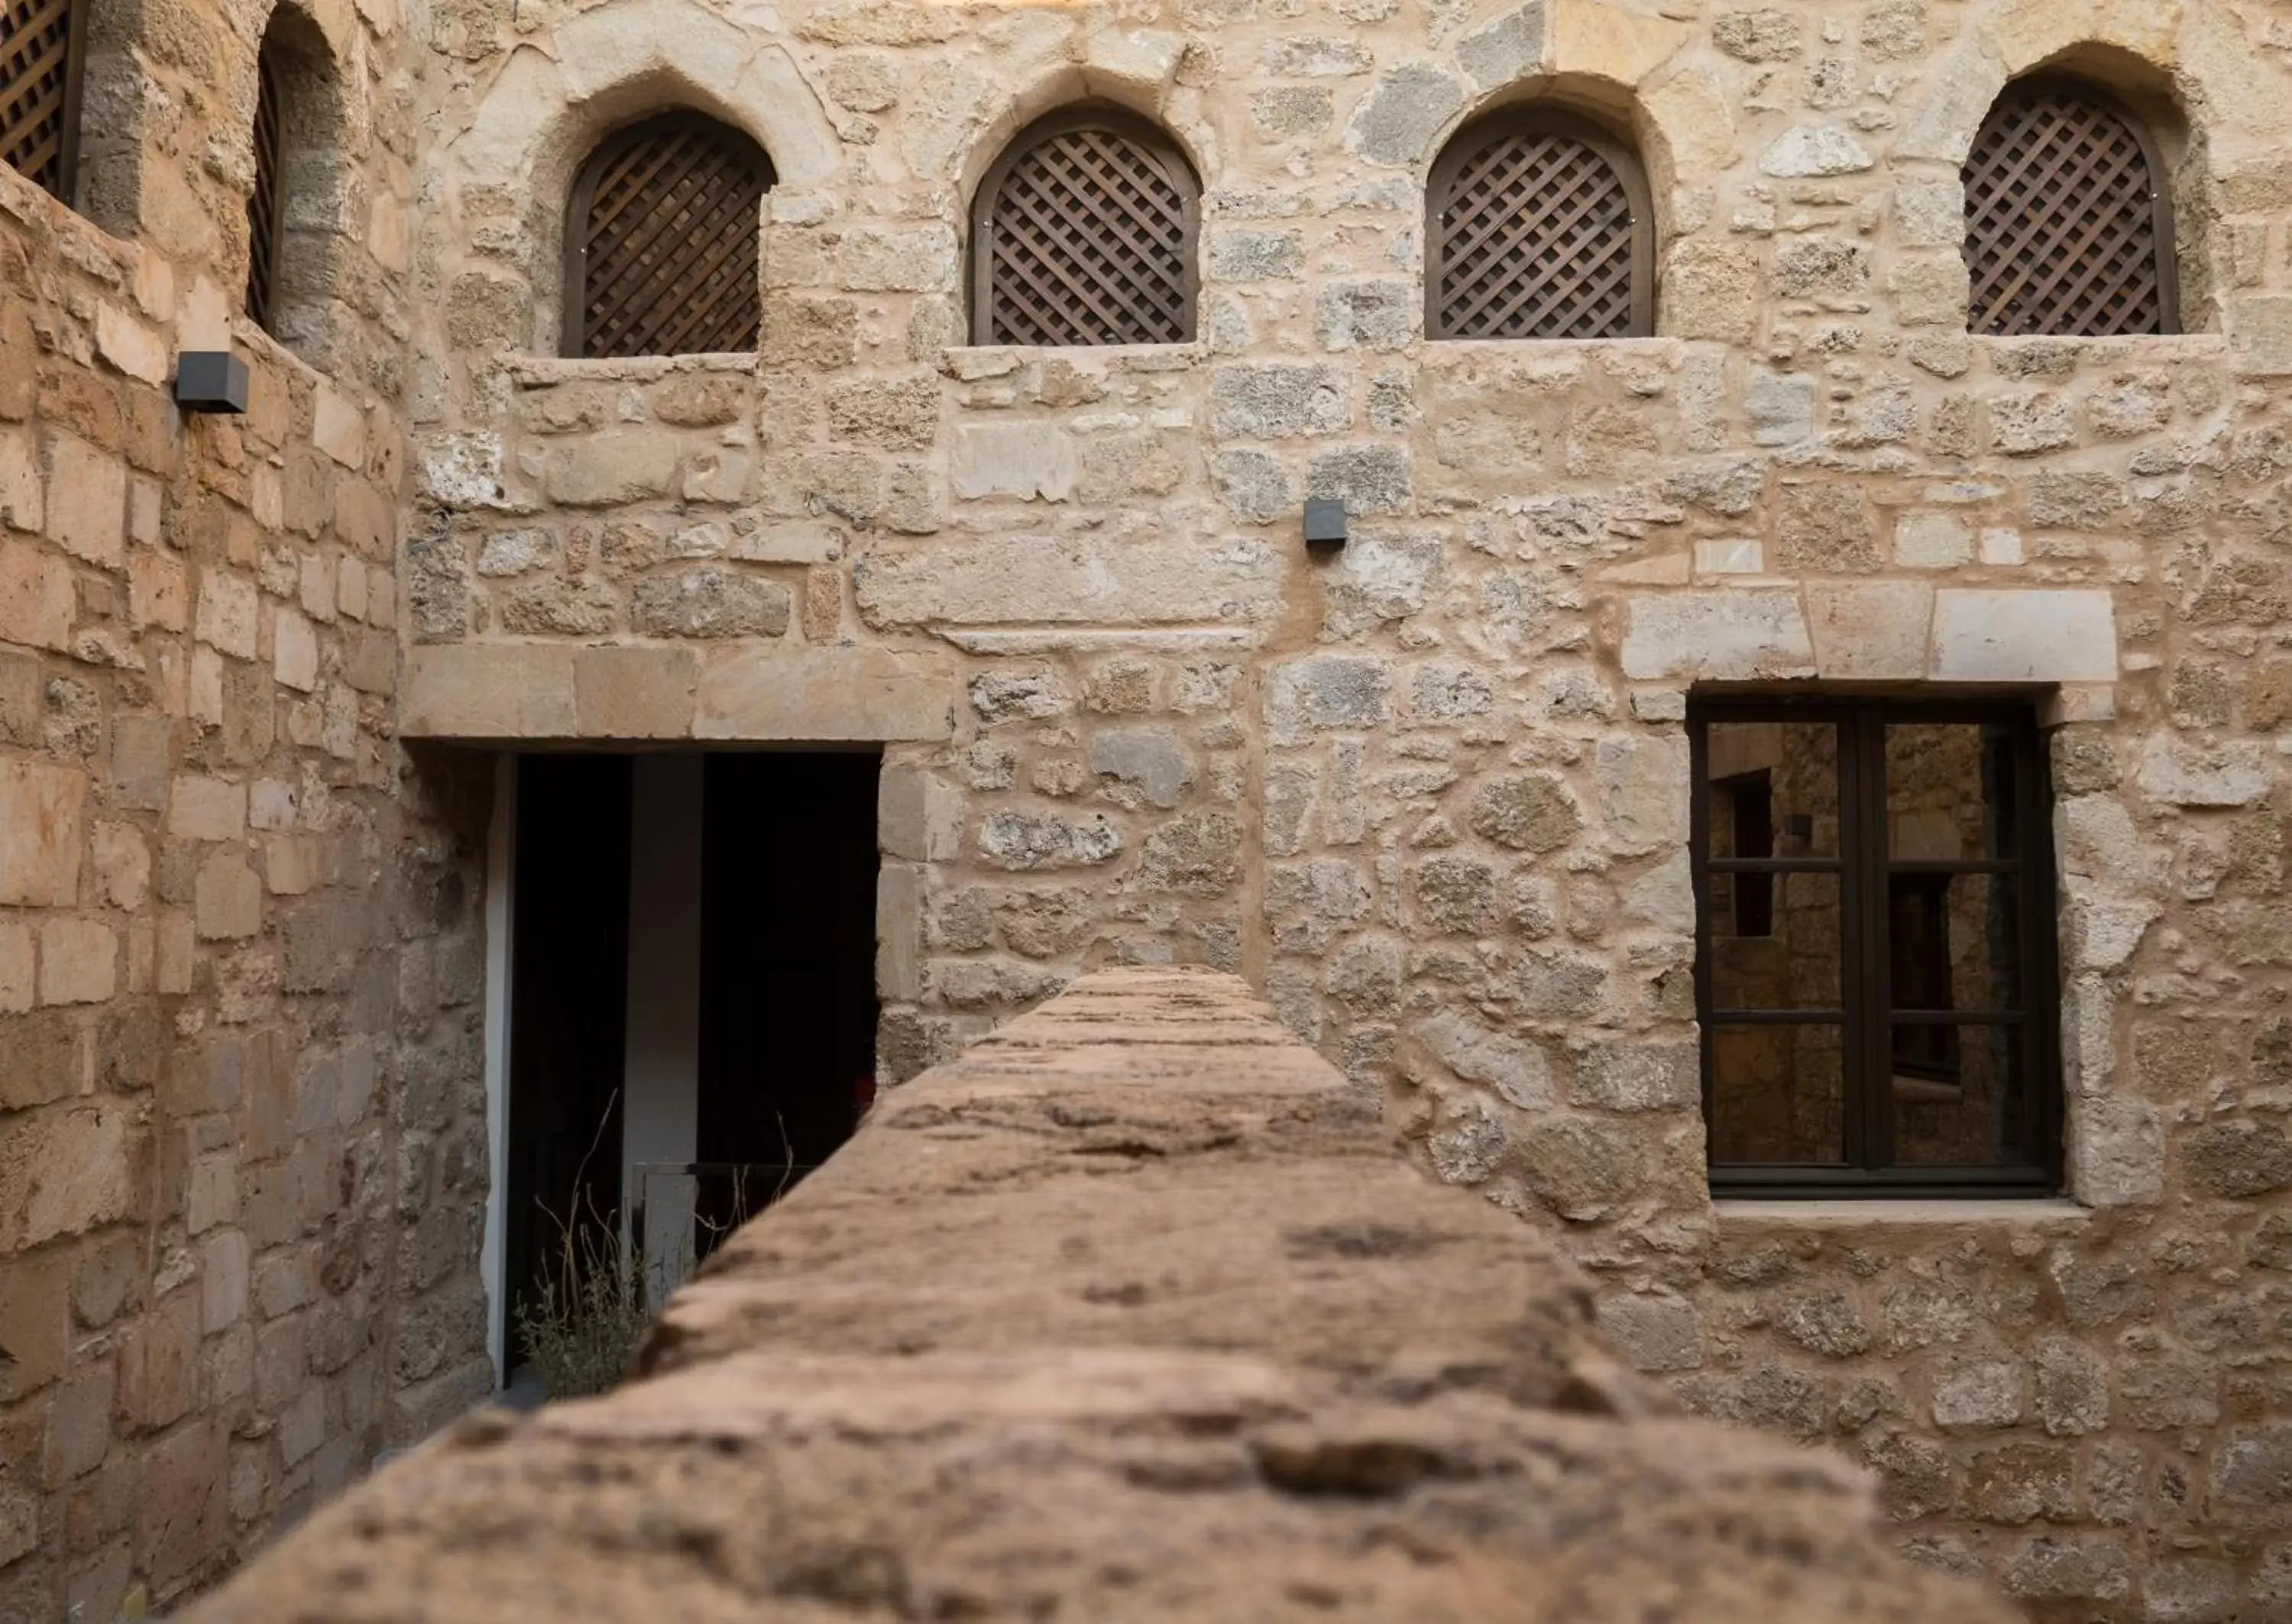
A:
[507,693]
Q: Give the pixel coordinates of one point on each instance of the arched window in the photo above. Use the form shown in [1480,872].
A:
[296,214]
[2068,227]
[661,241]
[1537,225]
[43,50]
[1084,233]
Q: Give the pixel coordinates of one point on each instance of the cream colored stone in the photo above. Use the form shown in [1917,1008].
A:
[129,345]
[294,651]
[37,598]
[158,590]
[204,808]
[21,507]
[1143,581]
[40,834]
[79,961]
[634,693]
[823,695]
[1729,634]
[1607,42]
[229,614]
[499,691]
[1030,462]
[17,987]
[1933,541]
[2032,636]
[123,865]
[339,429]
[87,500]
[177,949]
[228,898]
[1875,631]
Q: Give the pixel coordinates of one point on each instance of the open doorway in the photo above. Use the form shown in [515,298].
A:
[691,996]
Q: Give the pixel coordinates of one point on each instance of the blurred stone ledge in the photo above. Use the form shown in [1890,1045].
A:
[1132,1311]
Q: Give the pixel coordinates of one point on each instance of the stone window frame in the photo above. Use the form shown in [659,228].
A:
[573,334]
[1541,118]
[1144,131]
[1862,865]
[310,182]
[2072,85]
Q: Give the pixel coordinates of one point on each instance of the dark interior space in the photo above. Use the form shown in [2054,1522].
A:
[787,998]
[786,1049]
[567,1004]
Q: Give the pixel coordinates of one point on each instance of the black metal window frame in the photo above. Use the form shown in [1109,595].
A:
[1865,870]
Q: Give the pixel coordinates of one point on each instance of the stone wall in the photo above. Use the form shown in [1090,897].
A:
[242,1147]
[1431,791]
[1010,1355]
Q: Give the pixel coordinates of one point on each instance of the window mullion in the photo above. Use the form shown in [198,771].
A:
[1870,1039]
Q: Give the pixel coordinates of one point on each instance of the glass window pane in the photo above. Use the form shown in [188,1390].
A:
[1775,942]
[1958,1095]
[1778,1094]
[1953,942]
[1773,788]
[1949,792]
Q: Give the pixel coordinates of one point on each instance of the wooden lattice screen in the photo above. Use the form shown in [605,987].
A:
[2067,230]
[262,204]
[1537,231]
[41,47]
[662,242]
[1084,235]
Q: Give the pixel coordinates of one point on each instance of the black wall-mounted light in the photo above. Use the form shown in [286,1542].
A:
[210,381]
[1325,521]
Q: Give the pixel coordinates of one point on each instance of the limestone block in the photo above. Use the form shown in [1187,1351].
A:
[611,468]
[158,590]
[123,865]
[1643,785]
[2260,328]
[67,1168]
[1024,842]
[1027,461]
[1278,400]
[1328,694]
[1711,289]
[1152,759]
[2184,773]
[1516,1067]
[1933,541]
[634,693]
[339,427]
[918,816]
[1607,41]
[1696,112]
[21,506]
[1764,36]
[230,613]
[204,808]
[1652,1333]
[79,961]
[1728,634]
[787,543]
[86,500]
[876,259]
[1370,480]
[1239,255]
[1397,121]
[1875,631]
[1314,56]
[132,347]
[489,691]
[824,695]
[294,651]
[37,601]
[709,600]
[18,987]
[40,834]
[2038,636]
[227,897]
[458,470]
[1507,50]
[1962,86]
[1069,579]
[1805,151]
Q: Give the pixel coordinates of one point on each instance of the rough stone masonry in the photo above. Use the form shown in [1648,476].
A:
[1130,1311]
[1430,794]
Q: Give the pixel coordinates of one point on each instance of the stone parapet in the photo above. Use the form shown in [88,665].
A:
[1131,1310]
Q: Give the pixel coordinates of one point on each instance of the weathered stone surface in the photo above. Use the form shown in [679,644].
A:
[1042,580]
[1731,634]
[1131,1381]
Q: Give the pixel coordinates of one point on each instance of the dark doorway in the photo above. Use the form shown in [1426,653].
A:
[568,1007]
[783,1061]
[787,996]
